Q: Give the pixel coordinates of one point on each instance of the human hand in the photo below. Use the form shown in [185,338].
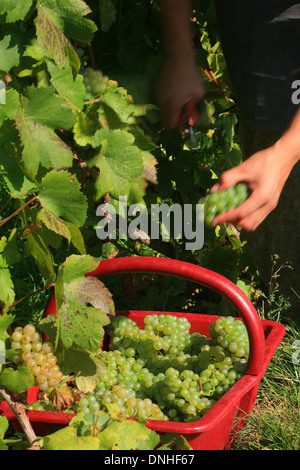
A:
[178,83]
[265,173]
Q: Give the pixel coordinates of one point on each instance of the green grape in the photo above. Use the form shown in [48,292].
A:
[37,356]
[94,81]
[164,372]
[16,337]
[222,201]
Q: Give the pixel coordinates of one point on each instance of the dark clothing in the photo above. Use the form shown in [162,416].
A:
[261,44]
[279,232]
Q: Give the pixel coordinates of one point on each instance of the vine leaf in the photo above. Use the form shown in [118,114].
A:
[85,129]
[70,16]
[44,106]
[121,103]
[77,238]
[88,367]
[7,294]
[5,322]
[37,247]
[4,425]
[54,223]
[150,170]
[65,229]
[119,162]
[67,439]
[70,90]
[80,325]
[9,53]
[83,305]
[60,194]
[10,108]
[40,113]
[14,10]
[9,251]
[17,183]
[3,446]
[41,147]
[17,381]
[63,398]
[127,435]
[92,291]
[171,441]
[56,21]
[76,267]
[52,39]
[83,364]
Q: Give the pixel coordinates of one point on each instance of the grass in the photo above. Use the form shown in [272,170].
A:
[274,423]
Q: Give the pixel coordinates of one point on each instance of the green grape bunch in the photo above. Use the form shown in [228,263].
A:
[37,355]
[162,371]
[94,80]
[183,373]
[125,398]
[223,201]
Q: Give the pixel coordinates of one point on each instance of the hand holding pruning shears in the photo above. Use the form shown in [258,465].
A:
[187,122]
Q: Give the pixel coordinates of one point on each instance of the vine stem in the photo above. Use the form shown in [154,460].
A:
[5,205]
[30,295]
[20,413]
[92,57]
[17,211]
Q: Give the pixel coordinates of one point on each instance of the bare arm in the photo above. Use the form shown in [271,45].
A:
[175,16]
[180,80]
[266,173]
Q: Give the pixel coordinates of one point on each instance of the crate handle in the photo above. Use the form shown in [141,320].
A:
[205,277]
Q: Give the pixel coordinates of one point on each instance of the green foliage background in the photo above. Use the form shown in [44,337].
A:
[63,151]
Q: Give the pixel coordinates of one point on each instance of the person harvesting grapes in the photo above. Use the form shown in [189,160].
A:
[259,40]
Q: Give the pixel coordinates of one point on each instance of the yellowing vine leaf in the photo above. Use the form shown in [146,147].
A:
[84,305]
[127,435]
[52,39]
[67,439]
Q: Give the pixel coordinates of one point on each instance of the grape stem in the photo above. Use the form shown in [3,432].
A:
[20,412]
[17,211]
[29,295]
[92,57]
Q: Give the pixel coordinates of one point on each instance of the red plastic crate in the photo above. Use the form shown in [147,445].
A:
[217,428]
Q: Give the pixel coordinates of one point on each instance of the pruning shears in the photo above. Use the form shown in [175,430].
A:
[187,122]
[192,114]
